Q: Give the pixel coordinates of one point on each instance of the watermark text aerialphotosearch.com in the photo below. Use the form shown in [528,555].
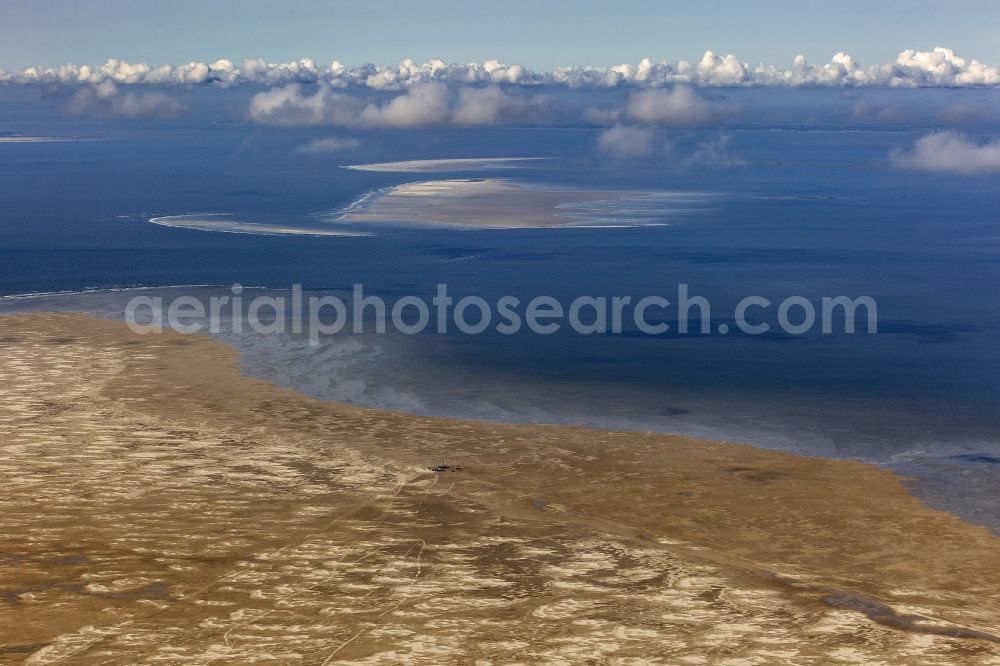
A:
[318,315]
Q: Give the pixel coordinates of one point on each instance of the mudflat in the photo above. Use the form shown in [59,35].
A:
[159,507]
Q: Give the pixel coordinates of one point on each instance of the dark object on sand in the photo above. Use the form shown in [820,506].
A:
[445,468]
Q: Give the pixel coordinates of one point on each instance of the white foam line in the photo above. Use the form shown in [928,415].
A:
[116,290]
[48,139]
[248,228]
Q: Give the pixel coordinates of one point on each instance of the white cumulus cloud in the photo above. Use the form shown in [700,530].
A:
[677,106]
[492,106]
[625,143]
[421,105]
[949,152]
[715,152]
[293,105]
[106,99]
[330,144]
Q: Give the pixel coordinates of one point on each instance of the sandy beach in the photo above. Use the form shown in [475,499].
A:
[159,507]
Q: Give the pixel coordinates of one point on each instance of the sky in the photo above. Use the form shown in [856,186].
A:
[535,33]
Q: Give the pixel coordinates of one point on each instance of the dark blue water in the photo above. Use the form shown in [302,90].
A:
[807,204]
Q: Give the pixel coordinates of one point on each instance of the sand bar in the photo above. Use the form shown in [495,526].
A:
[495,203]
[158,506]
[433,166]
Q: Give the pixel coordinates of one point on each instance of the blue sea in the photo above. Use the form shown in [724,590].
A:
[804,201]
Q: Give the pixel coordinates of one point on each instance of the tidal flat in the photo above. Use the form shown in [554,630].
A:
[160,506]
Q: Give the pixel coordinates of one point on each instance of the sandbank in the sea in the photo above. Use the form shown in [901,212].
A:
[453,164]
[496,203]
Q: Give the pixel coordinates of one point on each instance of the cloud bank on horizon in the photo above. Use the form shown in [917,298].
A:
[435,93]
[911,69]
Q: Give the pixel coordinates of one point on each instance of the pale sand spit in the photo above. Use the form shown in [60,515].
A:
[453,164]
